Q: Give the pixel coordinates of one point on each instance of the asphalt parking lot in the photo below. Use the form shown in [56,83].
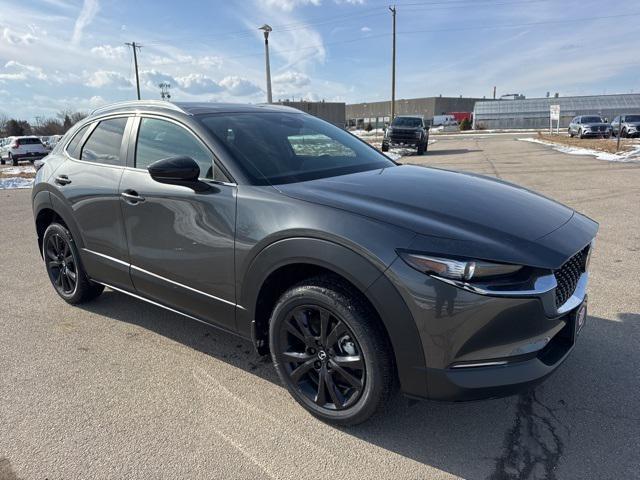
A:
[122,389]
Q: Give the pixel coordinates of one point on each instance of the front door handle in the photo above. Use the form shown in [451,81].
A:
[132,197]
[62,180]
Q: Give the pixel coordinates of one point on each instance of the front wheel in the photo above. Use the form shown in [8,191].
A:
[580,134]
[14,162]
[331,351]
[65,268]
[385,147]
[422,148]
[570,133]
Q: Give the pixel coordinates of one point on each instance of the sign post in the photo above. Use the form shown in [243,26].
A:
[554,114]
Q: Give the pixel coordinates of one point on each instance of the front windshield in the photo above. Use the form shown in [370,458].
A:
[632,118]
[275,148]
[406,122]
[592,120]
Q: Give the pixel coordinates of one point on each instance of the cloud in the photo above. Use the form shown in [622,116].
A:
[104,78]
[109,52]
[87,13]
[20,71]
[292,79]
[197,84]
[238,86]
[288,5]
[14,38]
[365,29]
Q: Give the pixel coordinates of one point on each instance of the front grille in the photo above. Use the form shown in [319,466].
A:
[568,275]
[403,135]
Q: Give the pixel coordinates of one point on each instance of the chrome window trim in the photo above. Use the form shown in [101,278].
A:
[160,277]
[96,122]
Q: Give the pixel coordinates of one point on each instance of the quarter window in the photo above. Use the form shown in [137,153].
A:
[73,148]
[103,145]
[158,139]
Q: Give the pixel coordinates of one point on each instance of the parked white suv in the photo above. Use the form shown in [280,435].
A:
[16,149]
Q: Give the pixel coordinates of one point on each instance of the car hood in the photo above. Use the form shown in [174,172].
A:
[595,124]
[489,215]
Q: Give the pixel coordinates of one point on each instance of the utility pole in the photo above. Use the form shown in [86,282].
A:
[393,67]
[135,48]
[266,29]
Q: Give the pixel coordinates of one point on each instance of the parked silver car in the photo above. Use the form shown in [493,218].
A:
[626,125]
[589,126]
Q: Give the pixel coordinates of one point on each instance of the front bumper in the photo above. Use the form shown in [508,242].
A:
[482,344]
[402,142]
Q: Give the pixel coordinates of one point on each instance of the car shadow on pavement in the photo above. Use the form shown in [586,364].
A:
[561,429]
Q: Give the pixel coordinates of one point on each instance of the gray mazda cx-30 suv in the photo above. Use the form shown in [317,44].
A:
[356,274]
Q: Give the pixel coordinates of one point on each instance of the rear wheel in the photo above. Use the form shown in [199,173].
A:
[331,352]
[64,267]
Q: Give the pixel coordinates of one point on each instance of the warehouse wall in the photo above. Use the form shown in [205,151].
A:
[427,107]
[332,112]
[534,112]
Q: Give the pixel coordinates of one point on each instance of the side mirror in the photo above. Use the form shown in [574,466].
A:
[181,170]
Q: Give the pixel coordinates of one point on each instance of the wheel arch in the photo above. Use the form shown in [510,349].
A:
[286,262]
[47,208]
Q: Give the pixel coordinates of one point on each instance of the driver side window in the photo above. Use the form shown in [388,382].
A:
[158,139]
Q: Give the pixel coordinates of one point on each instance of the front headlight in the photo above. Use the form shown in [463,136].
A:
[389,131]
[457,269]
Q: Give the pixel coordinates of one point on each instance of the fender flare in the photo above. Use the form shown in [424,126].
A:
[48,200]
[362,273]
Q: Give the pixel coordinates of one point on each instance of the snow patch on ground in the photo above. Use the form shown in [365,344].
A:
[18,169]
[628,156]
[15,182]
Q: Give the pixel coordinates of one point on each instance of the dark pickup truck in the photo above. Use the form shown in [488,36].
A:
[407,131]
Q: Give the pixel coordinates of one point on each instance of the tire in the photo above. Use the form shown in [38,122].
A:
[385,148]
[2,161]
[580,135]
[64,266]
[571,133]
[344,375]
[14,162]
[624,133]
[422,148]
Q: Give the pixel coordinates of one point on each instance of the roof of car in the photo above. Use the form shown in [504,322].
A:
[189,108]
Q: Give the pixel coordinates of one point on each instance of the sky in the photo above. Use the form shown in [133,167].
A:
[71,54]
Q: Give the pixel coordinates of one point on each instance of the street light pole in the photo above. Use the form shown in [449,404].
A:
[266,29]
[393,67]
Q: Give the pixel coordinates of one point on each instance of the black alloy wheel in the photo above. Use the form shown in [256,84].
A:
[61,264]
[331,351]
[322,357]
[64,266]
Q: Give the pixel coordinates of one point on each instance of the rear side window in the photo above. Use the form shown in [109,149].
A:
[30,141]
[158,139]
[73,148]
[103,145]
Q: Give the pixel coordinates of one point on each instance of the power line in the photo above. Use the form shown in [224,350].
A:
[412,32]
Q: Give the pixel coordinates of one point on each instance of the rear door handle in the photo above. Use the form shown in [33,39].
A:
[62,180]
[132,197]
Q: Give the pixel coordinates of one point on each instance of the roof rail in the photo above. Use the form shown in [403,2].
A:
[138,103]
